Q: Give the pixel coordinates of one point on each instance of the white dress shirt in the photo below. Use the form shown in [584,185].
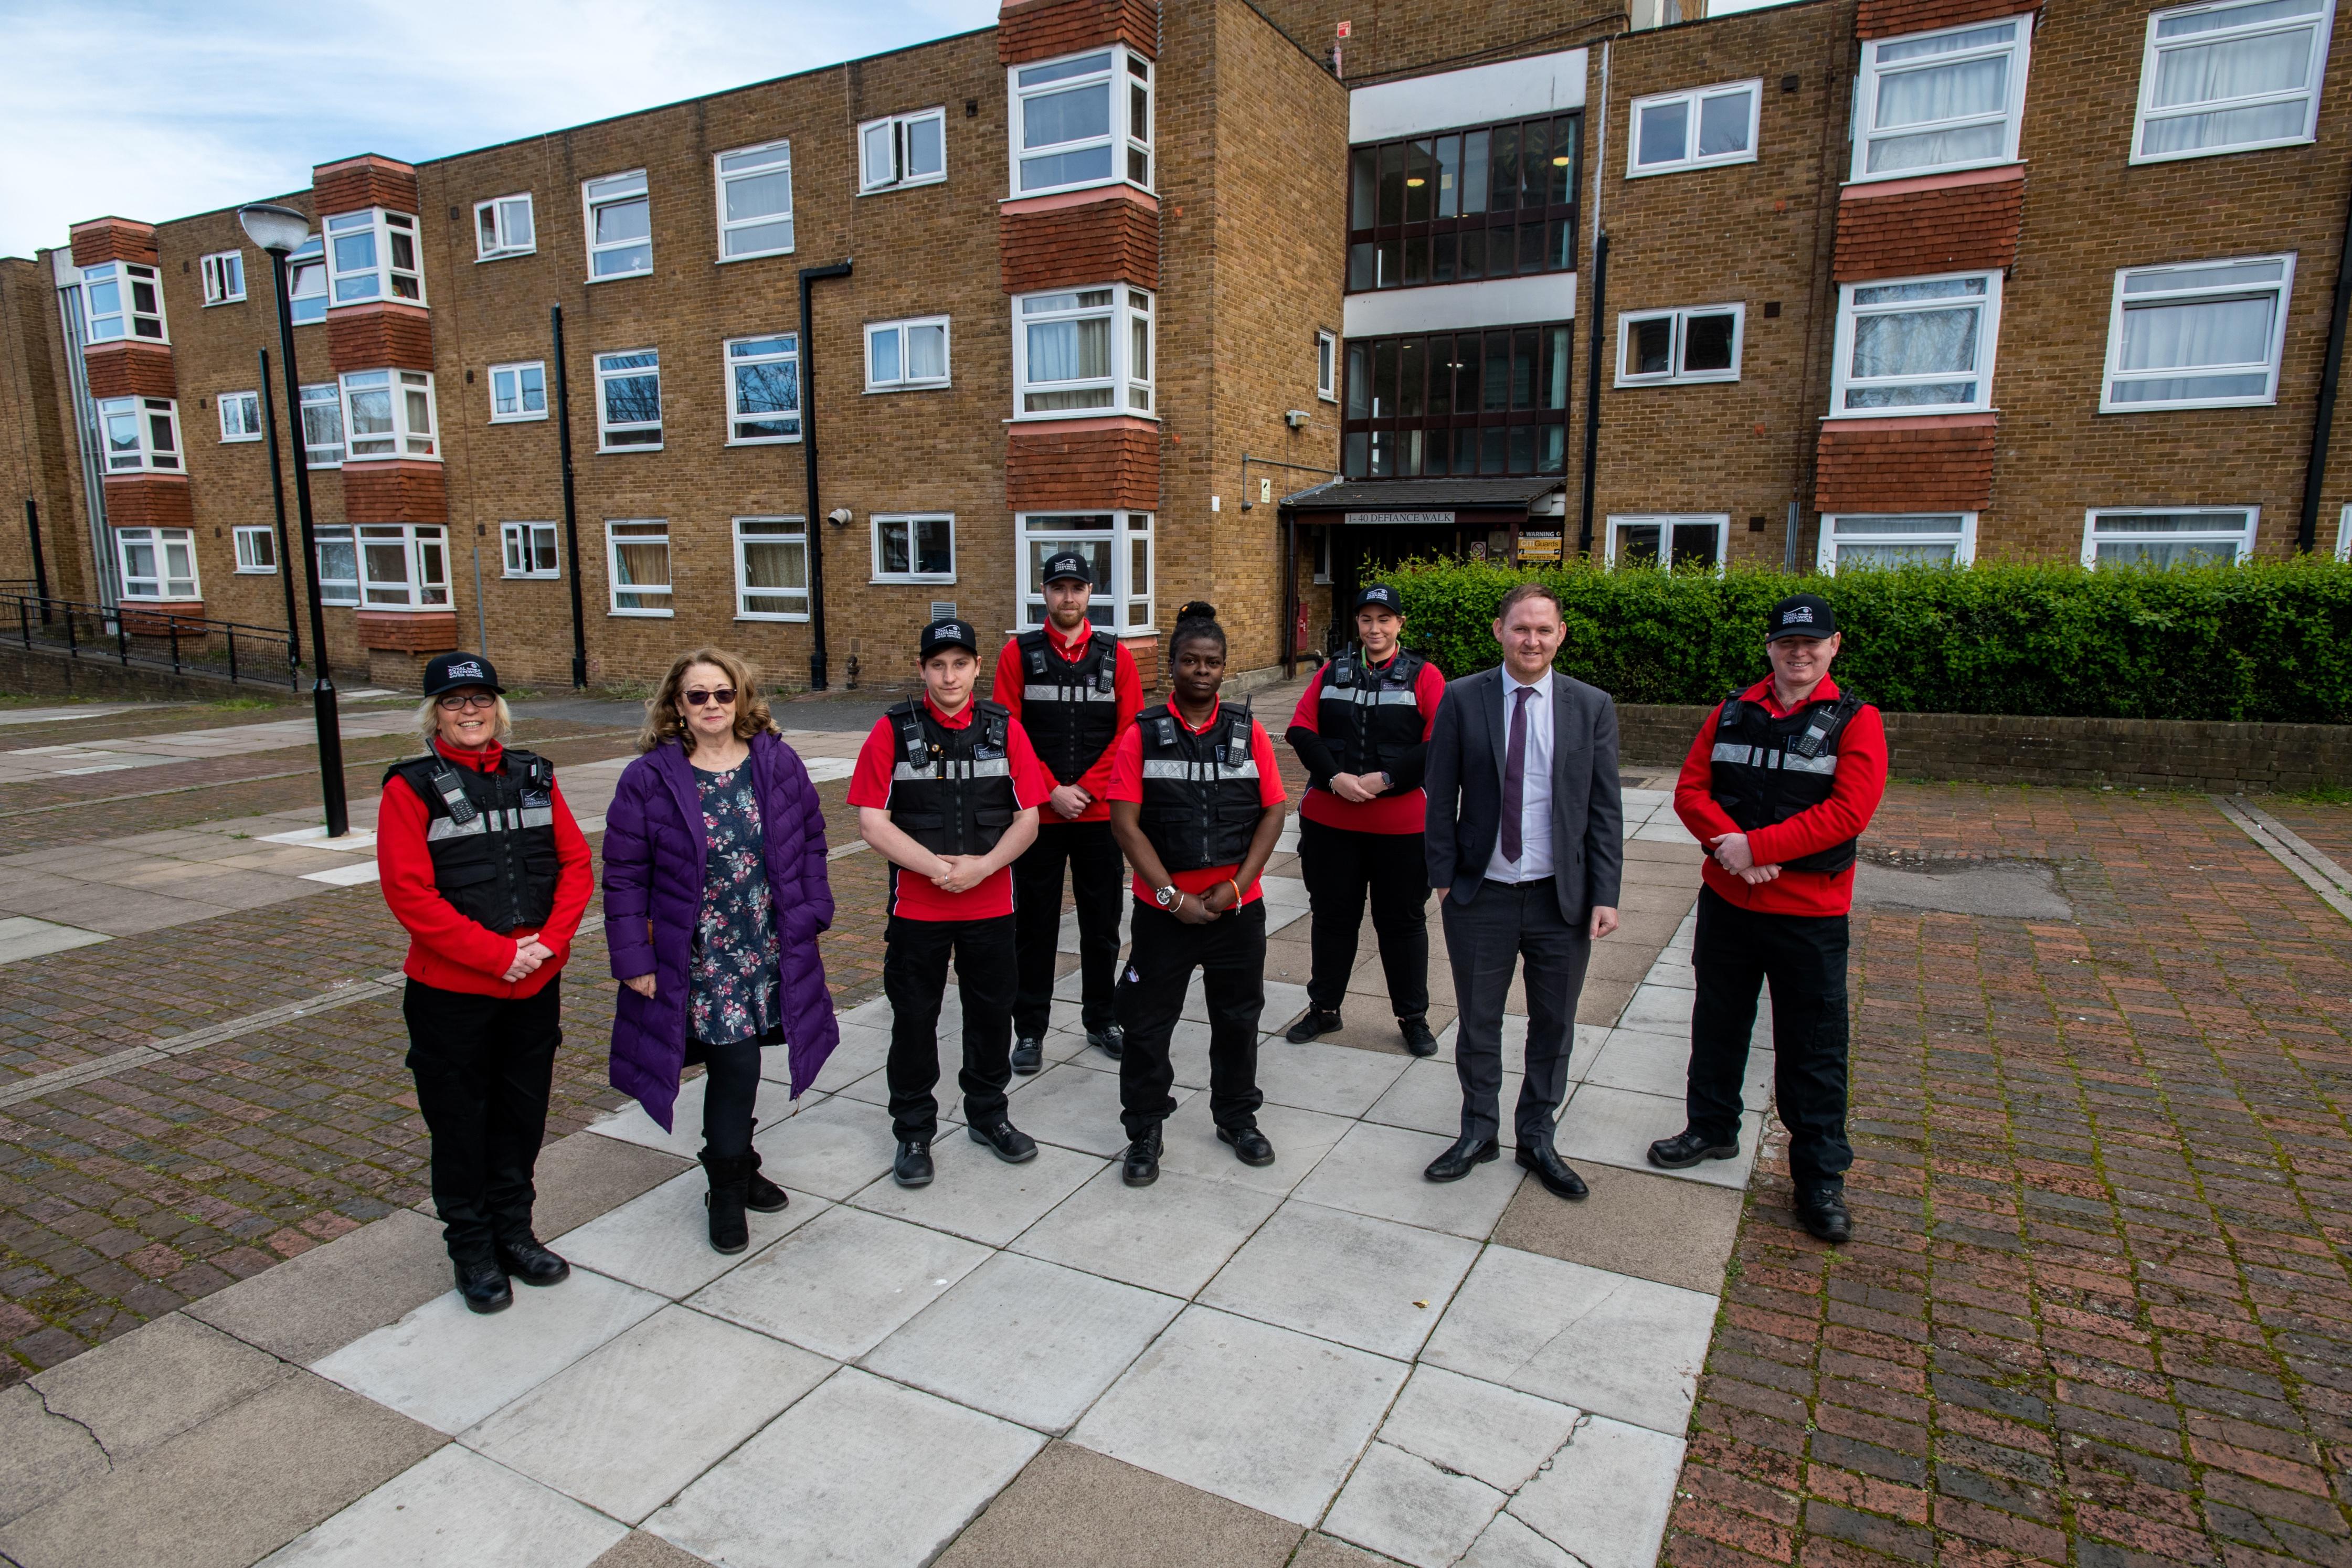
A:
[1535,803]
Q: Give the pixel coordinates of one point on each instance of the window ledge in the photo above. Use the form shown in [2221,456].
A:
[902,185]
[233,300]
[1078,195]
[1689,166]
[624,451]
[910,386]
[1090,419]
[910,582]
[1916,421]
[747,616]
[530,577]
[2138,158]
[640,615]
[368,458]
[758,256]
[505,255]
[2187,404]
[620,277]
[255,572]
[238,440]
[1868,185]
[518,418]
[732,441]
[1703,378]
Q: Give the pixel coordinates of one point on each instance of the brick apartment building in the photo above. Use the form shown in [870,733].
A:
[1242,298]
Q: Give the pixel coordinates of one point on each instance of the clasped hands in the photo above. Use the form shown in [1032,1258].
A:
[1358,788]
[530,953]
[1200,908]
[1731,853]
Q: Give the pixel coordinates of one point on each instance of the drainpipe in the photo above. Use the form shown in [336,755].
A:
[1600,294]
[2323,421]
[571,511]
[810,277]
[41,571]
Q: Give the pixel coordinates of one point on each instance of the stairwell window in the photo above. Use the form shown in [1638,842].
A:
[1947,100]
[1081,351]
[517,391]
[323,425]
[158,563]
[628,401]
[755,201]
[1084,119]
[224,277]
[2169,536]
[388,414]
[1327,366]
[772,580]
[902,356]
[2231,76]
[125,300]
[141,434]
[306,281]
[636,562]
[371,255]
[256,551]
[763,390]
[2204,334]
[620,227]
[530,549]
[917,549]
[403,566]
[1696,129]
[1919,345]
[1701,342]
[902,149]
[503,227]
[1667,542]
[1855,540]
[240,416]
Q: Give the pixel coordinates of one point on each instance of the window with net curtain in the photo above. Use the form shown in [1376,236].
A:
[2198,334]
[1916,345]
[1851,542]
[771,568]
[2227,78]
[1115,547]
[639,564]
[1940,100]
[1071,356]
[2211,536]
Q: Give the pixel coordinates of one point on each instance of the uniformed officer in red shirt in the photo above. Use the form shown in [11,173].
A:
[946,789]
[1076,690]
[1779,784]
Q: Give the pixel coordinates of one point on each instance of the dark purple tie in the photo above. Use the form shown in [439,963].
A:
[1515,773]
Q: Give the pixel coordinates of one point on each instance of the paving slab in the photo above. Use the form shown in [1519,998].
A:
[22,937]
[772,1104]
[1076,1108]
[1189,1144]
[456,1510]
[661,1241]
[1606,1496]
[1635,1222]
[1477,1428]
[1371,1283]
[1508,1544]
[449,1367]
[49,1456]
[1400,1505]
[831,1481]
[1074,1508]
[155,1383]
[842,1283]
[581,1177]
[1603,1343]
[1320,1551]
[1377,1171]
[1269,1418]
[864,1049]
[1338,1080]
[834,1148]
[976,1194]
[627,1426]
[1026,1340]
[640,1550]
[1617,1126]
[1172,1237]
[320,1300]
[1427,1097]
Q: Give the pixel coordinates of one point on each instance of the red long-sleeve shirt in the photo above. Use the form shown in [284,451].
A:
[1859,784]
[1402,811]
[1127,691]
[446,949]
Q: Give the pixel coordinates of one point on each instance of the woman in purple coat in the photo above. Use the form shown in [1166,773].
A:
[714,893]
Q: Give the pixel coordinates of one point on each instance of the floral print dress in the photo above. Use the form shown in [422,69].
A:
[735,992]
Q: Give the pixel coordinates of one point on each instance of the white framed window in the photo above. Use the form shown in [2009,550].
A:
[125,300]
[1117,548]
[915,548]
[1695,129]
[323,425]
[1669,539]
[636,566]
[2344,533]
[2202,335]
[306,281]
[517,391]
[771,575]
[1947,99]
[1323,554]
[157,563]
[1327,366]
[620,225]
[530,549]
[2169,536]
[903,356]
[755,200]
[763,389]
[2230,75]
[1083,119]
[339,565]
[256,551]
[1915,345]
[142,435]
[1079,351]
[403,566]
[371,255]
[628,401]
[1697,342]
[224,277]
[503,227]
[240,416]
[388,414]
[901,150]
[1860,541]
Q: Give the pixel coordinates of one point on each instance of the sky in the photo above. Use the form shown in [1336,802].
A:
[156,110]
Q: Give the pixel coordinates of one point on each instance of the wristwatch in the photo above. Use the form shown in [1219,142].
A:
[1169,895]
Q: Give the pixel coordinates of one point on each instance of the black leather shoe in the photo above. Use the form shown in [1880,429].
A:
[483,1286]
[1552,1171]
[1456,1163]
[525,1259]
[1688,1147]
[1111,1040]
[1250,1145]
[1028,1055]
[1417,1037]
[1013,1146]
[1141,1166]
[1824,1216]
[912,1168]
[760,1192]
[1313,1023]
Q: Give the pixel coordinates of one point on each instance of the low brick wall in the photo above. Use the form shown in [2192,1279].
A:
[38,673]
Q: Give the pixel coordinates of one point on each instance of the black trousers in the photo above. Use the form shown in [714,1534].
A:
[1098,872]
[1230,953]
[1485,940]
[915,977]
[1804,957]
[483,1065]
[1341,866]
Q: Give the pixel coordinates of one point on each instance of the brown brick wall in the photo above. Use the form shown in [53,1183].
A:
[1864,467]
[1046,469]
[33,450]
[130,370]
[427,631]
[147,501]
[1390,38]
[112,239]
[357,184]
[379,337]
[1114,239]
[1891,19]
[395,492]
[1041,29]
[1951,229]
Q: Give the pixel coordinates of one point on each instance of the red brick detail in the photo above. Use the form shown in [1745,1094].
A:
[1945,467]
[409,631]
[130,370]
[144,618]
[1082,469]
[112,239]
[1891,19]
[1041,29]
[149,500]
[1113,240]
[400,491]
[1145,651]
[354,185]
[1963,227]
[380,336]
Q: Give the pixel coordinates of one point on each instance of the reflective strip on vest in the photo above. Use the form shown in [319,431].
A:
[1065,694]
[1759,757]
[1381,697]
[450,827]
[1203,773]
[991,768]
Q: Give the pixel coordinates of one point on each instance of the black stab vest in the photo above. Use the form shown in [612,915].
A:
[1070,709]
[491,836]
[1368,717]
[952,790]
[1200,791]
[1767,770]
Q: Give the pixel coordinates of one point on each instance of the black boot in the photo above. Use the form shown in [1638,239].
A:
[730,1177]
[1313,1024]
[482,1285]
[763,1194]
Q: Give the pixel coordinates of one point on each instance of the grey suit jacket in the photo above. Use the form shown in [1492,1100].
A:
[1465,781]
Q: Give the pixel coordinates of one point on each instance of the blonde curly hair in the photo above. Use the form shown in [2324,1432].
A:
[663,721]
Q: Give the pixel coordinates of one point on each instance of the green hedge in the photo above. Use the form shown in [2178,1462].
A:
[2269,641]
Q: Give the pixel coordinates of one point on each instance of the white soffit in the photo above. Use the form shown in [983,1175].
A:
[1498,302]
[1504,91]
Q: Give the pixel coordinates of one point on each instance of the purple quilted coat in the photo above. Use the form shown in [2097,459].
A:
[655,860]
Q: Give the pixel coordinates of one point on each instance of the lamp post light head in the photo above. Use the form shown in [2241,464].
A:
[278,230]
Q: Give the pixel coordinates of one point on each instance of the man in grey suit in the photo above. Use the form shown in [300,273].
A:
[1525,840]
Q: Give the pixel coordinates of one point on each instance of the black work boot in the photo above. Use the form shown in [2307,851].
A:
[730,1177]
[1141,1166]
[482,1285]
[912,1168]
[1823,1214]
[524,1258]
[1417,1037]
[1313,1023]
[1688,1147]
[1028,1055]
[1111,1040]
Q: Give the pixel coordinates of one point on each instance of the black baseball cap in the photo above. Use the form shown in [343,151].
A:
[949,633]
[1383,595]
[1069,563]
[451,671]
[1802,616]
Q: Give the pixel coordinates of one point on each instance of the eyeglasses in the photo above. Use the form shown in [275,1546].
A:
[457,699]
[696,698]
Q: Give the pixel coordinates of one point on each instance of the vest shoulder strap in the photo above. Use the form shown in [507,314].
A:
[1158,724]
[532,767]
[907,718]
[1032,651]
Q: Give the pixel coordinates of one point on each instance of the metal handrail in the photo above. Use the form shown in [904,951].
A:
[126,633]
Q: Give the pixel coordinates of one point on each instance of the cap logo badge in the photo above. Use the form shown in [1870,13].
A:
[1802,612]
[468,667]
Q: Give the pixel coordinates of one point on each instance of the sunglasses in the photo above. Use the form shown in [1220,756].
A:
[457,699]
[700,697]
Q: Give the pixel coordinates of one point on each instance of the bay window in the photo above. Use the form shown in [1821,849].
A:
[517,391]
[2202,334]
[1947,100]
[763,390]
[902,149]
[2169,536]
[771,576]
[371,255]
[528,549]
[1116,548]
[1492,402]
[388,414]
[1493,202]
[636,564]
[620,225]
[125,300]
[1670,541]
[755,200]
[1082,351]
[628,401]
[503,226]
[1919,345]
[142,435]
[157,563]
[323,425]
[337,567]
[306,281]
[919,548]
[403,566]
[901,355]
[2231,76]
[1084,119]
[1700,343]
[1694,130]
[1851,541]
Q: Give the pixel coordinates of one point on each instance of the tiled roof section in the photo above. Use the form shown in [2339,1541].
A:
[379,337]
[149,500]
[1865,468]
[1952,229]
[1039,29]
[1423,495]
[1082,469]
[354,185]
[1114,240]
[112,239]
[405,491]
[130,370]
[411,631]
[1891,18]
